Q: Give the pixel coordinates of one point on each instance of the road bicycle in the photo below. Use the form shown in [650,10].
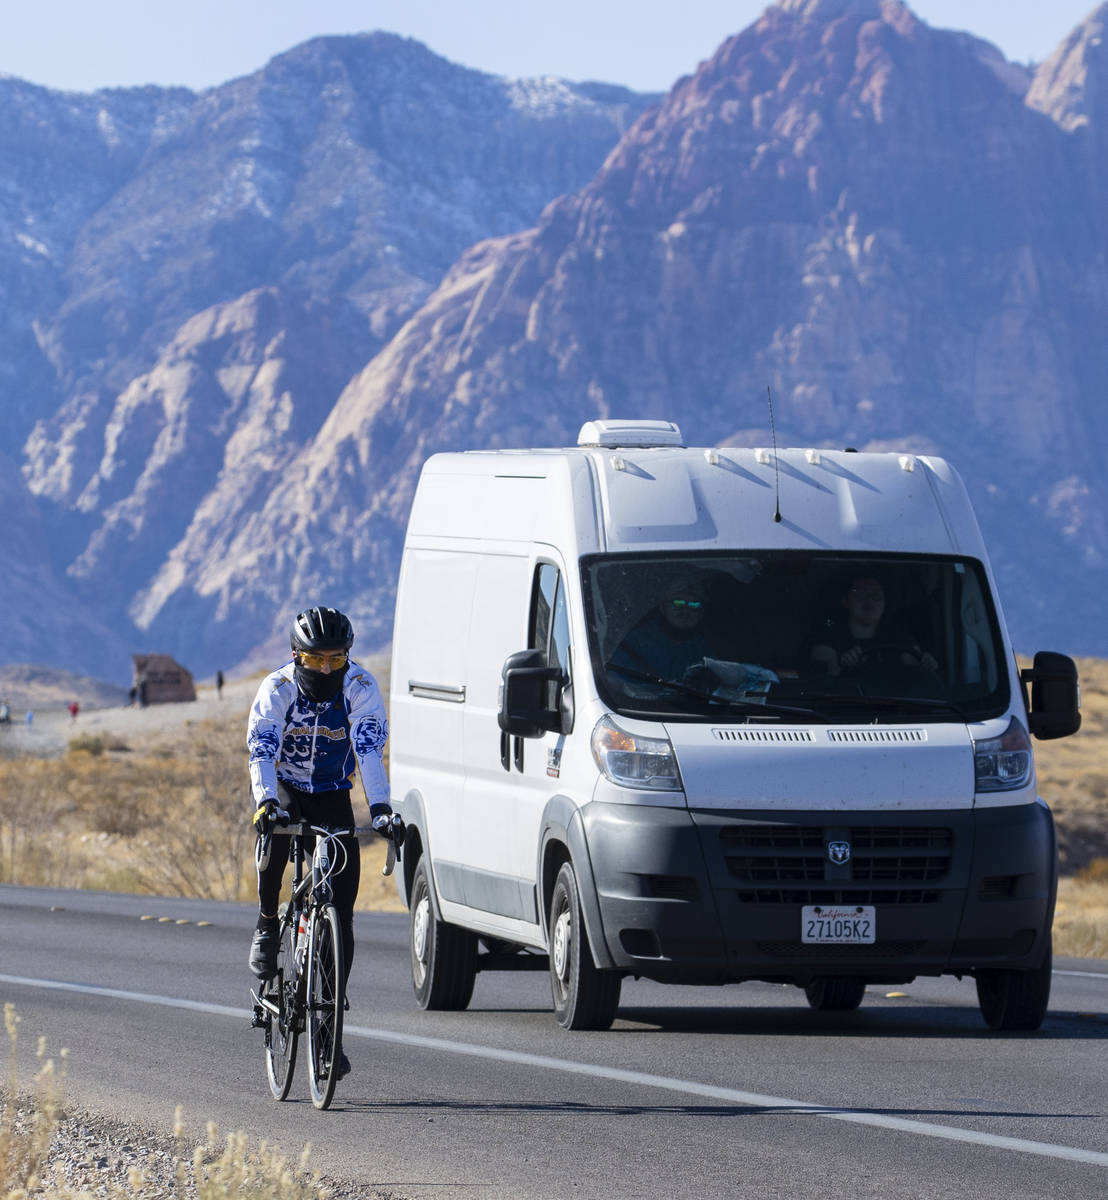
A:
[307,995]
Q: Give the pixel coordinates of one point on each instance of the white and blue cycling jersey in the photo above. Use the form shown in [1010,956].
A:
[314,745]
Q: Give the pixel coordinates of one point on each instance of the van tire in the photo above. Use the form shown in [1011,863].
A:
[835,993]
[1016,1000]
[585,997]
[444,957]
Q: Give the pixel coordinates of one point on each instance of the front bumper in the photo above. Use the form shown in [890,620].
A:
[716,896]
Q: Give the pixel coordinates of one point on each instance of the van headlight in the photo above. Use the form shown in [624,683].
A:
[1002,764]
[632,760]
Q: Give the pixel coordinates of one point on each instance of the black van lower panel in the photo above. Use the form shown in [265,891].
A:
[714,896]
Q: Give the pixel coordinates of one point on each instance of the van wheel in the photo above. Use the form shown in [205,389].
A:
[835,993]
[585,997]
[444,957]
[1016,999]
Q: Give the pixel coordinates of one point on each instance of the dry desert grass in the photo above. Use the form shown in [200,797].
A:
[40,1159]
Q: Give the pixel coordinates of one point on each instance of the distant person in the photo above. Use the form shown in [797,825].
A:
[132,695]
[74,709]
[219,685]
[861,636]
[142,693]
[5,713]
[312,721]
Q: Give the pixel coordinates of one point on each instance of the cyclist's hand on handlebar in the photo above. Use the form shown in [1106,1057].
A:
[268,814]
[391,826]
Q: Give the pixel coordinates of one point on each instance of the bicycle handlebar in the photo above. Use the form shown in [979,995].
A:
[305,828]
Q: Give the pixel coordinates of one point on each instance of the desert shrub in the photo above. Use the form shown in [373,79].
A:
[87,743]
[1081,919]
[95,743]
[111,797]
[33,809]
[203,843]
[1095,872]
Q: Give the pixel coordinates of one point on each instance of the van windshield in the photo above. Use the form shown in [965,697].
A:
[795,635]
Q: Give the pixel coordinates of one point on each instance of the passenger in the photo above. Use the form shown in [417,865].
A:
[859,636]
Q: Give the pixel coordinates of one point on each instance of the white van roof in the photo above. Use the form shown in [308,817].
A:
[635,485]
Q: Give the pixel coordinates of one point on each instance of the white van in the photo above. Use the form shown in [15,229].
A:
[713,715]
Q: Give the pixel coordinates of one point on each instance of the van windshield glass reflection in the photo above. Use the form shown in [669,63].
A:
[837,637]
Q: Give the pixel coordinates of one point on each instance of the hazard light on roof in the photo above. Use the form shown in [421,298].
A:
[630,433]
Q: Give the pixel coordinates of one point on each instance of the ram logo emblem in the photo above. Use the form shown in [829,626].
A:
[838,852]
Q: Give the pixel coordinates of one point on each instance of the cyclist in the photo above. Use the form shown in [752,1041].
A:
[311,721]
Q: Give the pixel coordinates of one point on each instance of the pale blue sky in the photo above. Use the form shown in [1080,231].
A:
[645,44]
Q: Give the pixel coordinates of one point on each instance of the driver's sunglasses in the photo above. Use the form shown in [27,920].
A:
[316,662]
[694,604]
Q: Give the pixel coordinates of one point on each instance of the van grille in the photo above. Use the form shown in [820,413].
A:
[797,854]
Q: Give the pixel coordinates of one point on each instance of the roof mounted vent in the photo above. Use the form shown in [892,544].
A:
[641,434]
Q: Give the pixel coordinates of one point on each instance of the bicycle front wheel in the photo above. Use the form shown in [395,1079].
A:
[280,999]
[325,1003]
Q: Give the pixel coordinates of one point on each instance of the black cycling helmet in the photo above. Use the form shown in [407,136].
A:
[317,629]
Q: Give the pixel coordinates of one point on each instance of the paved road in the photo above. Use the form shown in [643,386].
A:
[731,1092]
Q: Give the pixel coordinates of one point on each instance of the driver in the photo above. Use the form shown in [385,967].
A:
[670,638]
[859,634]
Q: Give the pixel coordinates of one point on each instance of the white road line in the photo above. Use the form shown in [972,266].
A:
[1084,974]
[687,1087]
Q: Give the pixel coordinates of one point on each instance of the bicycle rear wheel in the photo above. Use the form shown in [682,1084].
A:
[281,1033]
[325,1003]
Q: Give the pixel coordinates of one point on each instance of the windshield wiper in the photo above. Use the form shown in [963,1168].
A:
[861,700]
[746,705]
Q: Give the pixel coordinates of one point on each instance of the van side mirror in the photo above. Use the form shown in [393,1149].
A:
[523,692]
[1053,710]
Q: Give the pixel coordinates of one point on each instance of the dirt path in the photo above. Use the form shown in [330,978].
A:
[51,730]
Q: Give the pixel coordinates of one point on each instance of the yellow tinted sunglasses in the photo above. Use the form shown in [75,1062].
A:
[316,662]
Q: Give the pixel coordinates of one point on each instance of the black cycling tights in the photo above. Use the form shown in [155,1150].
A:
[317,808]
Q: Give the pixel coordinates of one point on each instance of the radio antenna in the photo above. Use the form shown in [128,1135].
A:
[776,469]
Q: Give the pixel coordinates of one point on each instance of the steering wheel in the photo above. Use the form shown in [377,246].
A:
[874,653]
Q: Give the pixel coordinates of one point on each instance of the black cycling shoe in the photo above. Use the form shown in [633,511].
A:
[263,952]
[342,1067]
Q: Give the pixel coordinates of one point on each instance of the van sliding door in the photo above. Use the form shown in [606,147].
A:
[488,875]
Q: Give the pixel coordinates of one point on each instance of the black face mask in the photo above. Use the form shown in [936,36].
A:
[316,685]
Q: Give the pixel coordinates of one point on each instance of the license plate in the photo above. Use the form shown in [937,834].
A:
[844,925]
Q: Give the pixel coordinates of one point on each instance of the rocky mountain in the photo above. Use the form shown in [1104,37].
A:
[301,284]
[191,280]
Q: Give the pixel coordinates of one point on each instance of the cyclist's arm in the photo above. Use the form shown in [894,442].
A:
[264,731]
[369,731]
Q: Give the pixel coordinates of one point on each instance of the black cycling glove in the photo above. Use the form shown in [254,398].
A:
[268,814]
[391,826]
